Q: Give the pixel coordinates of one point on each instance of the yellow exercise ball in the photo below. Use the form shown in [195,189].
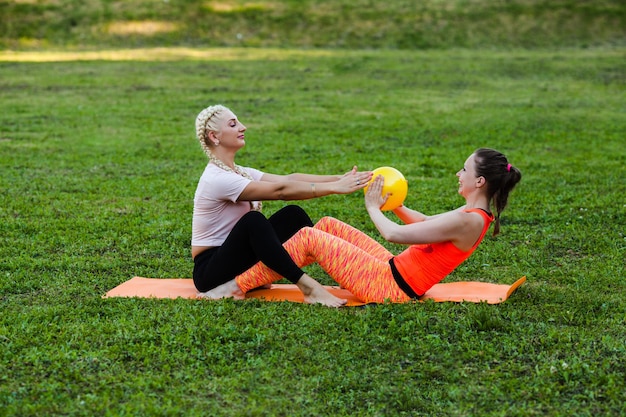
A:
[395,184]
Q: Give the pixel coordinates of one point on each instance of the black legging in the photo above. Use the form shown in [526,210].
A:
[254,238]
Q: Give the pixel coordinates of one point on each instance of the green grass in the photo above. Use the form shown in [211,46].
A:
[99,164]
[27,24]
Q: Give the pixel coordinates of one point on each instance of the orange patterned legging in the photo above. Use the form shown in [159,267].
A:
[353,259]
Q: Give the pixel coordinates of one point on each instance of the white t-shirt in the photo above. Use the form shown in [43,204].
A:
[215,205]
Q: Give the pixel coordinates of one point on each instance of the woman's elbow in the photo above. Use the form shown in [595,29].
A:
[394,236]
[389,236]
[281,192]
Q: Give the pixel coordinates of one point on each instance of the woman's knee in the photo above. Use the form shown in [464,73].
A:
[253,216]
[252,220]
[288,220]
[296,214]
[326,223]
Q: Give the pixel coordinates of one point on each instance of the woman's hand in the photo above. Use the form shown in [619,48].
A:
[373,197]
[352,181]
[355,171]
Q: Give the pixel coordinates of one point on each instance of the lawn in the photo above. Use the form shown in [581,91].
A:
[99,164]
[354,24]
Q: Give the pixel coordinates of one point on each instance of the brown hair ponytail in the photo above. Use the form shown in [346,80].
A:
[501,178]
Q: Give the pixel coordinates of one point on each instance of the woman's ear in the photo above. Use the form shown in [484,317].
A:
[480,182]
[213,137]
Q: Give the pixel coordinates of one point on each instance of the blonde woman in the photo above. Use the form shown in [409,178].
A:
[229,233]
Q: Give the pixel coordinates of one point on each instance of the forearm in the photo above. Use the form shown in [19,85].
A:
[300,190]
[386,227]
[408,215]
[312,177]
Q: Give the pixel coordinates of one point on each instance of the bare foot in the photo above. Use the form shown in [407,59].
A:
[315,293]
[227,290]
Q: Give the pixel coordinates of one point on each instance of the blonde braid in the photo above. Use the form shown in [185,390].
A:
[207,121]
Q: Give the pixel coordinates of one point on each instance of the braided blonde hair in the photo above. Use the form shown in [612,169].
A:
[207,121]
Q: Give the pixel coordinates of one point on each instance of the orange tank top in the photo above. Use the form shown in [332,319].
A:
[422,266]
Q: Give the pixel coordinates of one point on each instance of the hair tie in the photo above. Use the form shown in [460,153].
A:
[508,167]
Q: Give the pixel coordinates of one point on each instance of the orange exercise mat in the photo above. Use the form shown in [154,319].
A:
[470,291]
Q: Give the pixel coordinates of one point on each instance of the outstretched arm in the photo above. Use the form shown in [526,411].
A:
[297,176]
[276,187]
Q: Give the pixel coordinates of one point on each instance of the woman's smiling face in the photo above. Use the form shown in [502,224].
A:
[232,131]
[467,176]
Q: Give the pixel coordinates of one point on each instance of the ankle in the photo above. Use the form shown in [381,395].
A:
[306,284]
